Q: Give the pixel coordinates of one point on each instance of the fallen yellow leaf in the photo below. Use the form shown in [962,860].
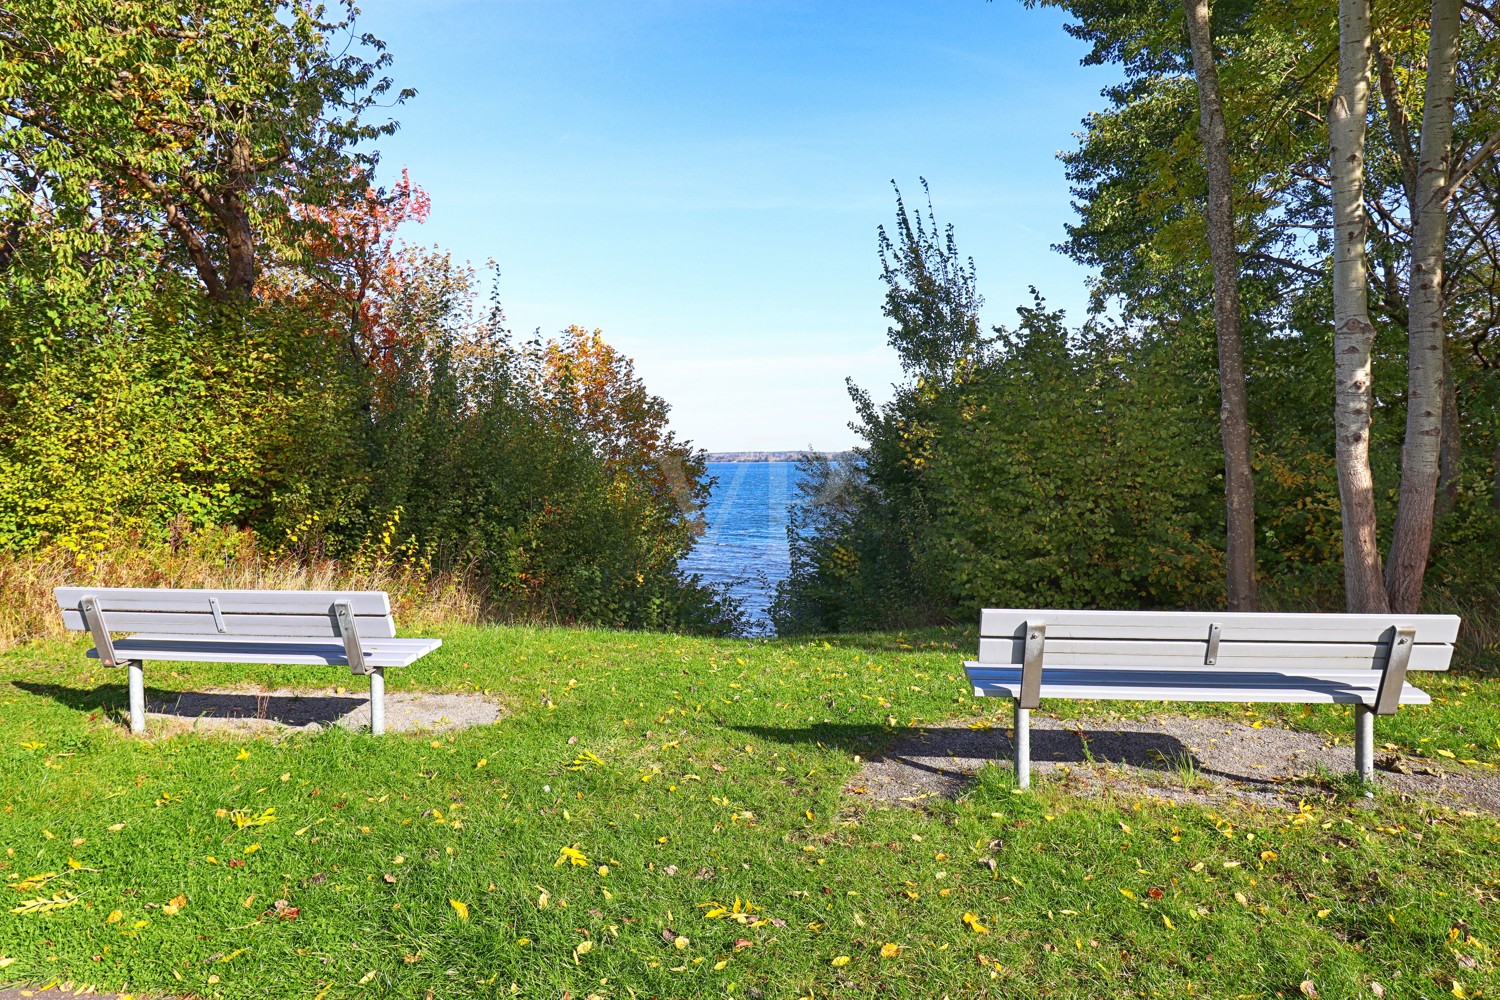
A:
[890,950]
[461,909]
[841,960]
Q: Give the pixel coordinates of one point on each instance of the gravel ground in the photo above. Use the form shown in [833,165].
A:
[1201,761]
[258,711]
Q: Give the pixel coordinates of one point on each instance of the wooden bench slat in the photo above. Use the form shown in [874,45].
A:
[239,649]
[1234,626]
[191,623]
[1185,653]
[268,602]
[1209,684]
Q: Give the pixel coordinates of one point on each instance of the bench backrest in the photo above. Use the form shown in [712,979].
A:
[169,611]
[1199,640]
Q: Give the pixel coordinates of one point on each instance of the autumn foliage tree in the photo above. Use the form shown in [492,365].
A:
[626,423]
[210,316]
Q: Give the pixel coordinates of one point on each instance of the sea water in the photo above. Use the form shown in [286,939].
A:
[745,545]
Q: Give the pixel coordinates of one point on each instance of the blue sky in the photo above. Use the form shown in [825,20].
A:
[703,179]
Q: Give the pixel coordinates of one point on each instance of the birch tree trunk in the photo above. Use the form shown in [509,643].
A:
[1353,335]
[1234,418]
[1427,339]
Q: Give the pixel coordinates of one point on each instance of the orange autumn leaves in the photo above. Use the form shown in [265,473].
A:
[625,422]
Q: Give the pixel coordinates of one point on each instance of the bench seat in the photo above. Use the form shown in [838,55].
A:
[280,649]
[1287,658]
[1341,687]
[352,629]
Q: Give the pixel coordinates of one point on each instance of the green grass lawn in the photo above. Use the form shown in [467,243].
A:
[659,816]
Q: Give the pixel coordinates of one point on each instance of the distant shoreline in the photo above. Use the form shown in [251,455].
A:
[769,456]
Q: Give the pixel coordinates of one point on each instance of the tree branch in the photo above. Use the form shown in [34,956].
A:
[1284,262]
[1473,163]
[1482,11]
[196,249]
[1400,121]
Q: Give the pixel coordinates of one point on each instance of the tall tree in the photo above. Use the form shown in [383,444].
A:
[1234,418]
[1353,333]
[204,119]
[1427,366]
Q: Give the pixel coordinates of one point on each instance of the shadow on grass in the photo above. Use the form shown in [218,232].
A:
[912,744]
[288,710]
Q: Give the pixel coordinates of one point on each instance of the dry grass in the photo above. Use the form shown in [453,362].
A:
[421,597]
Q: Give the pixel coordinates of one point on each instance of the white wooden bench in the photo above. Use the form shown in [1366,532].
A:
[343,628]
[1361,660]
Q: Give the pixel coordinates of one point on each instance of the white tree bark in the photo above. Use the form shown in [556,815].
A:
[1427,339]
[1353,334]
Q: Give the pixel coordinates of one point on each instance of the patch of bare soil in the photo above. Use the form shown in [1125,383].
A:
[1202,761]
[254,712]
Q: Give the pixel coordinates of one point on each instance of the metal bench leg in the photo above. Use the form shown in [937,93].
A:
[1364,742]
[1023,746]
[377,701]
[137,695]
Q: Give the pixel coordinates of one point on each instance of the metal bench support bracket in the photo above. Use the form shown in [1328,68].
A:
[1030,697]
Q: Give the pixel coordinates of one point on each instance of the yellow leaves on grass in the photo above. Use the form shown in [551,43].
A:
[974,924]
[461,909]
[251,849]
[242,818]
[890,950]
[842,960]
[1127,893]
[115,916]
[681,942]
[1268,855]
[742,912]
[45,904]
[242,755]
[571,855]
[31,883]
[584,760]
[174,907]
